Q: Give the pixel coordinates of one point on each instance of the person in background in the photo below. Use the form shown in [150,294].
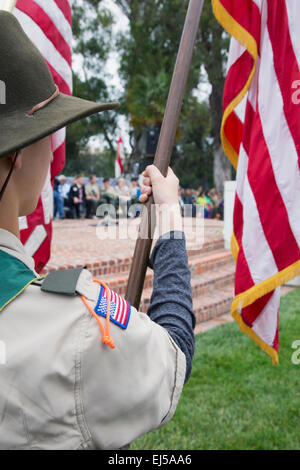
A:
[220,210]
[77,197]
[92,194]
[209,204]
[58,202]
[194,195]
[65,186]
[199,191]
[64,191]
[124,197]
[122,188]
[109,194]
[134,189]
[214,197]
[133,204]
[201,200]
[109,197]
[181,201]
[189,202]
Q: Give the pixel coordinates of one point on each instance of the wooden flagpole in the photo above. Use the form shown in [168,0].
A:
[9,5]
[164,148]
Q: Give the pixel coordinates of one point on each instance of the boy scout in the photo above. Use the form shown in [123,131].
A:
[83,369]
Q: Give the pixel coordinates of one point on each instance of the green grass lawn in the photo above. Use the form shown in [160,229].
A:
[236,398]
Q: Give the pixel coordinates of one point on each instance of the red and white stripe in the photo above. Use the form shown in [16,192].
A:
[48,23]
[121,307]
[263,134]
[119,170]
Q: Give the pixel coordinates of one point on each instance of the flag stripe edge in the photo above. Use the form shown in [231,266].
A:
[248,41]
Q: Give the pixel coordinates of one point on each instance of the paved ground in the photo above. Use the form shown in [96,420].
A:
[78,242]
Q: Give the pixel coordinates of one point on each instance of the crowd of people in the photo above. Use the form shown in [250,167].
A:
[211,201]
[81,200]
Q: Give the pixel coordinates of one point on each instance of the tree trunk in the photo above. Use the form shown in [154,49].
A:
[222,169]
[136,142]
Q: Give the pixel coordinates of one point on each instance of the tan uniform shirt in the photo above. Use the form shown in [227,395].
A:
[62,388]
[112,191]
[92,190]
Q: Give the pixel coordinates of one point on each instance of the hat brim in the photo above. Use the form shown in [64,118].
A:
[18,130]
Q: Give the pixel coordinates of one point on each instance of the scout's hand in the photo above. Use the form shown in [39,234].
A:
[165,190]
[165,193]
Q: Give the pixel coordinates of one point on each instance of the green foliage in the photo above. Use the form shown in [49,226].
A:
[148,55]
[147,58]
[213,48]
[87,163]
[192,159]
[92,25]
[236,398]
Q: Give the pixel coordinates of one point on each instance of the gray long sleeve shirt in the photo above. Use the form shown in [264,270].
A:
[171,304]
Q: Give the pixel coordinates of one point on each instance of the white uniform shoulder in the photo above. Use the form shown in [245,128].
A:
[86,286]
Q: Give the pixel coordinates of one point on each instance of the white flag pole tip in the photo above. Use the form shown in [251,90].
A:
[9,5]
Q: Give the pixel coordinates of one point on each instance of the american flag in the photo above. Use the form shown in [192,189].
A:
[261,136]
[119,170]
[120,309]
[48,23]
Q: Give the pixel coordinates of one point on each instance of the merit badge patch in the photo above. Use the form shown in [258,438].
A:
[120,309]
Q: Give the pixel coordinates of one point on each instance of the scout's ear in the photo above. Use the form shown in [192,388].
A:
[8,160]
[15,162]
[17,156]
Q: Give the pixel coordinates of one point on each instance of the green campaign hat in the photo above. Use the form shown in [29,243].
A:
[31,106]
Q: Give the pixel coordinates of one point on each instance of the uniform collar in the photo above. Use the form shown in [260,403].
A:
[12,245]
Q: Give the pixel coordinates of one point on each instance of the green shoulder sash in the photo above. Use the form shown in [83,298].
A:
[15,276]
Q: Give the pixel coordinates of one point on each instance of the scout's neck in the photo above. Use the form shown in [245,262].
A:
[10,202]
[9,213]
